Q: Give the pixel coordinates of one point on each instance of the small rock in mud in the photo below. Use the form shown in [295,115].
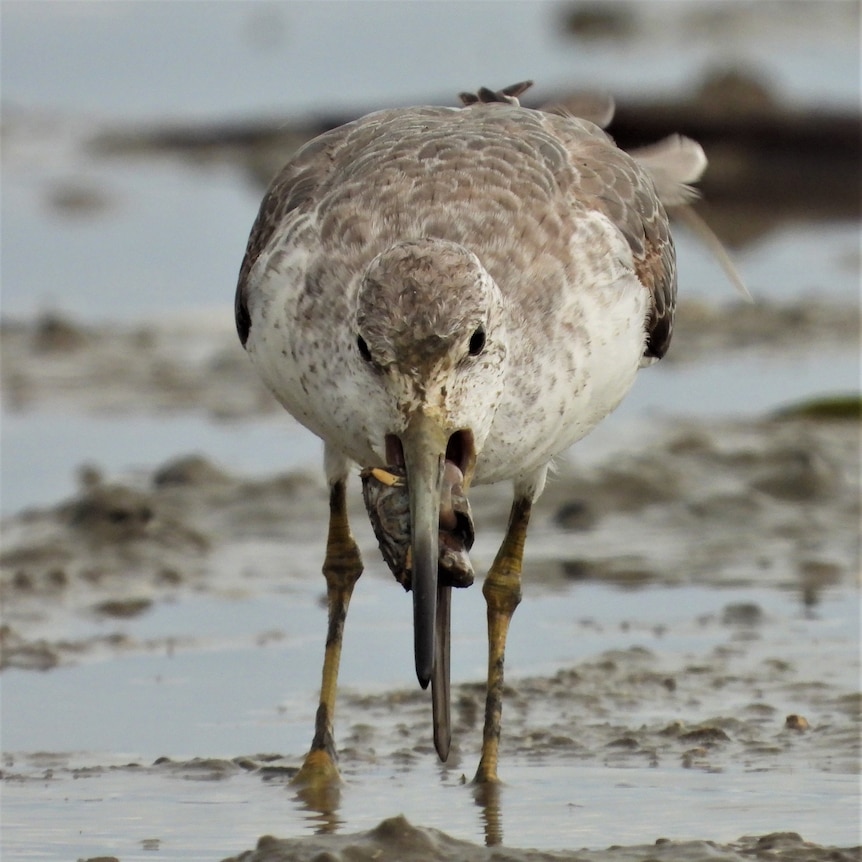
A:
[123,608]
[55,334]
[111,513]
[742,614]
[188,470]
[576,516]
[705,736]
[797,474]
[797,722]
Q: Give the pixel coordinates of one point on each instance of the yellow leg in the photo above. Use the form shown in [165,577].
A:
[342,569]
[502,591]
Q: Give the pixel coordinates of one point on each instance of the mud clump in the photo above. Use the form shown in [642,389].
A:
[799,723]
[796,473]
[123,608]
[55,334]
[705,736]
[733,502]
[769,503]
[111,514]
[189,470]
[397,839]
[742,614]
[26,654]
[116,549]
[393,839]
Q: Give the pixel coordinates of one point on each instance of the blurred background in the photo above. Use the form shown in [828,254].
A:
[137,141]
[138,137]
[97,236]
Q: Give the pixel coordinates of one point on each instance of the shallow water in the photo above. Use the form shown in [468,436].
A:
[185,818]
[230,676]
[166,693]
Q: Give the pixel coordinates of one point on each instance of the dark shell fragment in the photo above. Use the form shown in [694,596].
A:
[387,502]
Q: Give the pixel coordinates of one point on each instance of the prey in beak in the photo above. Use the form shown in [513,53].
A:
[422,520]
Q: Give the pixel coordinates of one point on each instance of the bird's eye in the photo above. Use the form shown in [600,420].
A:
[477,342]
[361,345]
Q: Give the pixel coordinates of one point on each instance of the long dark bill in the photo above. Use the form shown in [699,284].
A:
[440,697]
[424,445]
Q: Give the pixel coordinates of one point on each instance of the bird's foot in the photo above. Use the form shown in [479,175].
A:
[317,770]
[487,775]
[318,785]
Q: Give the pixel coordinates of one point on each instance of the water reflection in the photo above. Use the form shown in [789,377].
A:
[321,804]
[487,797]
[325,811]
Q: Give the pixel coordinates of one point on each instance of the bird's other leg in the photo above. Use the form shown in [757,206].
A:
[502,591]
[341,568]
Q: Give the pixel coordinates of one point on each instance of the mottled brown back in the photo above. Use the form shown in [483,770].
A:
[371,182]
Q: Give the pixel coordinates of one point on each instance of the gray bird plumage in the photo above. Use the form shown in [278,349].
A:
[472,287]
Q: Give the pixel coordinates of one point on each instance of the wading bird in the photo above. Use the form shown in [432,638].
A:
[450,297]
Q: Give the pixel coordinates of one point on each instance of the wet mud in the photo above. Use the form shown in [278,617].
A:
[746,506]
[774,502]
[397,839]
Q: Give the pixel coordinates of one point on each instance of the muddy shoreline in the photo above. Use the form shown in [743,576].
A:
[767,504]
[787,484]
[397,839]
[762,511]
[686,656]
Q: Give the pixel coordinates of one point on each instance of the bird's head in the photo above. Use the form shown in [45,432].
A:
[429,331]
